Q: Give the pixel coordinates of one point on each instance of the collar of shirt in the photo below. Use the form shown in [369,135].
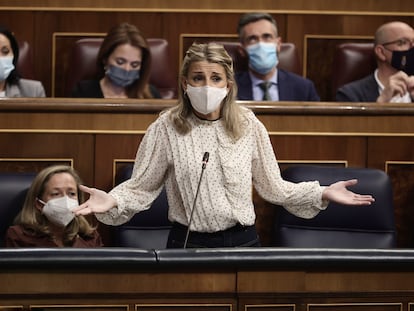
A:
[257,91]
[406,98]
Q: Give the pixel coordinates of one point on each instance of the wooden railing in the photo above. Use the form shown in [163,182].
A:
[206,279]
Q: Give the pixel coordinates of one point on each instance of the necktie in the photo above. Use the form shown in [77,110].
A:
[265,88]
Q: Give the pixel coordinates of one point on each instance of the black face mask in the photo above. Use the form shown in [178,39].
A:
[404,61]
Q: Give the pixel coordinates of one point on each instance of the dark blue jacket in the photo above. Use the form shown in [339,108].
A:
[292,87]
[363,90]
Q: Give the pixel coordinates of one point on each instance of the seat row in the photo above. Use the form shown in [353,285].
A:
[352,61]
[336,227]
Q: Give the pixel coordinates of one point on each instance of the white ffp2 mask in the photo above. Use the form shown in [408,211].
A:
[59,210]
[206,99]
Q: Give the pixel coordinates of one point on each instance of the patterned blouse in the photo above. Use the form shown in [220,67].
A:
[167,158]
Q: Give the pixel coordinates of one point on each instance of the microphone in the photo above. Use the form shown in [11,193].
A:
[204,164]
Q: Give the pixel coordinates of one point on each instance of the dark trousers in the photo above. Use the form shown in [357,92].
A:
[237,236]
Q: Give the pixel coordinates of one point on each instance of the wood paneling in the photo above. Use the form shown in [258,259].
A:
[234,5]
[31,152]
[38,22]
[256,279]
[97,136]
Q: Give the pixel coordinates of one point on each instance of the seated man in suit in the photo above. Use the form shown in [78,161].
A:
[393,80]
[264,81]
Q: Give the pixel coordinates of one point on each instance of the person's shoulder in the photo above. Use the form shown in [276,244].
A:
[154,91]
[361,90]
[163,120]
[91,240]
[360,82]
[89,84]
[15,233]
[288,75]
[30,82]
[87,89]
[247,112]
[31,88]
[14,230]
[241,76]
[250,116]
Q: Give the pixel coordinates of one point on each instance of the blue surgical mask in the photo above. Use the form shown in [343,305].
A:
[262,57]
[403,60]
[6,67]
[120,76]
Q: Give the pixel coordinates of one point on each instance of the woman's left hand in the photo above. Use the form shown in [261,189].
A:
[338,192]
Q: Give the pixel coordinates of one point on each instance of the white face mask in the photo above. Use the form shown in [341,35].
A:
[206,99]
[6,66]
[59,210]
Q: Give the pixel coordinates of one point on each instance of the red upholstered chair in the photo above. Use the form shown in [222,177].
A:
[83,65]
[352,61]
[25,63]
[288,57]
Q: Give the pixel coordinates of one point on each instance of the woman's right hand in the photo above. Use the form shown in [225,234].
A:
[99,202]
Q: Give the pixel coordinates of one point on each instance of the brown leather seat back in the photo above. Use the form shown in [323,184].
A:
[25,63]
[352,61]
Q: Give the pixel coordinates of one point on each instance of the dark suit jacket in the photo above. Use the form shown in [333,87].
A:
[292,87]
[92,89]
[363,90]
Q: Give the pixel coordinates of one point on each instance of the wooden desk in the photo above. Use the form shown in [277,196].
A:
[206,279]
[98,136]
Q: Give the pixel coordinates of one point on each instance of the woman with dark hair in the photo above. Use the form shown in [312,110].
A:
[124,62]
[11,84]
[46,219]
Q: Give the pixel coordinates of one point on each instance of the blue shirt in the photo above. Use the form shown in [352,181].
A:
[258,92]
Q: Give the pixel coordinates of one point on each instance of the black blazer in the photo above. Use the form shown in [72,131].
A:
[363,90]
[92,89]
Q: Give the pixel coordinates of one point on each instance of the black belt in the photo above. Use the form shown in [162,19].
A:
[236,228]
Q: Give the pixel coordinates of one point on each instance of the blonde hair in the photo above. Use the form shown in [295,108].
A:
[36,223]
[231,112]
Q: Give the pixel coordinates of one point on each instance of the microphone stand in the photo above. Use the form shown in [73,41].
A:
[205,160]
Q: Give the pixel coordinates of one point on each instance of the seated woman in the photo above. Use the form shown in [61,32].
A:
[11,84]
[46,219]
[124,62]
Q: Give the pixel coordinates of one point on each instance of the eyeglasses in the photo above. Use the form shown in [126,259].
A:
[402,42]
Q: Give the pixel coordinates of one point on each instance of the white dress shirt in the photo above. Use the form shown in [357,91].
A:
[406,98]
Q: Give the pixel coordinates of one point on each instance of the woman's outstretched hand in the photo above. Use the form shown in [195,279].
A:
[338,192]
[99,201]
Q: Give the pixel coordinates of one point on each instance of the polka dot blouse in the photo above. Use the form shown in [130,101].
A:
[168,159]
